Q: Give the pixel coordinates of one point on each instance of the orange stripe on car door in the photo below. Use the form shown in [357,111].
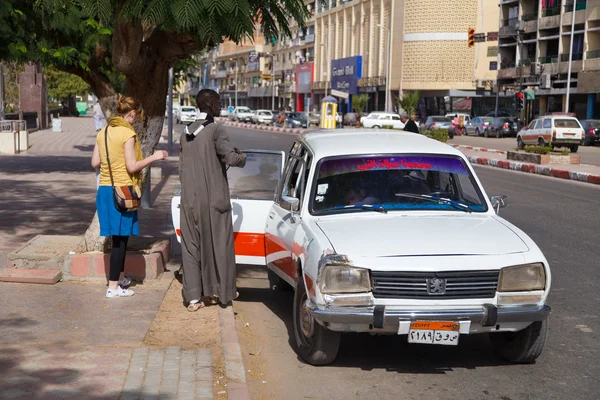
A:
[249,244]
[286,264]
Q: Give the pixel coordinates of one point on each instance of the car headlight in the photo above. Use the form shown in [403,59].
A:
[344,279]
[522,278]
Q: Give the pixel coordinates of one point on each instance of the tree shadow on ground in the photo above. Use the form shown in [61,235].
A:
[391,353]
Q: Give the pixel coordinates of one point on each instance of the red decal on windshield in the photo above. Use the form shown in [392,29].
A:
[387,164]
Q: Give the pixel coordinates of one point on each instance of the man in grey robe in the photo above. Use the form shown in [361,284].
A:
[208,254]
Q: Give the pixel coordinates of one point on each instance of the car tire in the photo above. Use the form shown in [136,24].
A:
[498,134]
[321,346]
[486,133]
[376,127]
[574,148]
[477,133]
[520,143]
[541,142]
[521,347]
[450,134]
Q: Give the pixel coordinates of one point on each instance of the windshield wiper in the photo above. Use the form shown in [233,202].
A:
[378,208]
[440,200]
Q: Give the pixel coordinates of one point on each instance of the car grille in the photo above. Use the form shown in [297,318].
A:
[413,285]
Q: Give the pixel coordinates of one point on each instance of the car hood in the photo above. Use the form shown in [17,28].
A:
[400,236]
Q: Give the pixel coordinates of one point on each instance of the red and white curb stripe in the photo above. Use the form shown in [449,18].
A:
[537,169]
[482,149]
[264,127]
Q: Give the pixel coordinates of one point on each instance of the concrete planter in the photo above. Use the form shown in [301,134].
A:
[543,159]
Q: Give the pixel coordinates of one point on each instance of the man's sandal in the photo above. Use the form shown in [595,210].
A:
[195,306]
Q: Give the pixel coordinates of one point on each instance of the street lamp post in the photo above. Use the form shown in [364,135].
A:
[570,57]
[387,68]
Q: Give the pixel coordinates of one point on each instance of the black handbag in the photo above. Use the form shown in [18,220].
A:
[127,198]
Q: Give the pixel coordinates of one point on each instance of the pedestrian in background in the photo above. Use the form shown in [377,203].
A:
[409,124]
[98,116]
[126,162]
[206,218]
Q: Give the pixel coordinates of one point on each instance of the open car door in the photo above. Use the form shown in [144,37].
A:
[252,191]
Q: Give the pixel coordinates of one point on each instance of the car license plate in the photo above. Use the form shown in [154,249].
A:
[434,332]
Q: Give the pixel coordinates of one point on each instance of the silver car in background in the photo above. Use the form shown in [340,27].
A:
[478,125]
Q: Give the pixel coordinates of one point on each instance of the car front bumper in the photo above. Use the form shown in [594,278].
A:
[382,319]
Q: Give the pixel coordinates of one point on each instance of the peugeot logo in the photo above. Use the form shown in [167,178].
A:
[436,286]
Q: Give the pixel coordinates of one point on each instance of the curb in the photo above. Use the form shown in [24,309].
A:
[482,149]
[537,170]
[237,388]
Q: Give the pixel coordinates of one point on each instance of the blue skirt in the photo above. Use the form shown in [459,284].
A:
[112,221]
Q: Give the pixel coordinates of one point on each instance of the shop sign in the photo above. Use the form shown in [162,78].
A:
[253,62]
[345,73]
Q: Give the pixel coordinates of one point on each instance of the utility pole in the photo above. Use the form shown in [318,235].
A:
[273,81]
[326,73]
[1,90]
[236,84]
[170,105]
[570,58]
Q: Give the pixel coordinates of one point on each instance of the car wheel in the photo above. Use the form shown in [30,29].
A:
[315,344]
[376,127]
[477,133]
[574,148]
[450,134]
[520,143]
[523,346]
[541,142]
[498,134]
[485,133]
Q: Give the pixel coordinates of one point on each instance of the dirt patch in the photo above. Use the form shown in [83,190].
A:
[174,325]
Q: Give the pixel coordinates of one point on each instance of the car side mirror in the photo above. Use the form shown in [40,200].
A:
[499,202]
[290,203]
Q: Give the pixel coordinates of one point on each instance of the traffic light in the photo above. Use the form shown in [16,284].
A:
[471,37]
[519,100]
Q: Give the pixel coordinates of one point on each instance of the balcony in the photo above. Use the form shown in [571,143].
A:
[507,73]
[509,27]
[579,5]
[548,59]
[564,57]
[551,11]
[531,25]
[592,54]
[530,17]
[310,38]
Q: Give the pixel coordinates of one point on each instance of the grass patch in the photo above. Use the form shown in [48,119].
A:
[545,150]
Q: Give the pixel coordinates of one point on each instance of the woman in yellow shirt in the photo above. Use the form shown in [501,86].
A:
[126,162]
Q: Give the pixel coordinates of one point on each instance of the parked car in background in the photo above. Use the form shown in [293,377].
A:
[478,125]
[224,113]
[382,120]
[187,114]
[262,117]
[314,118]
[501,113]
[591,128]
[502,127]
[557,130]
[309,220]
[296,120]
[242,114]
[439,122]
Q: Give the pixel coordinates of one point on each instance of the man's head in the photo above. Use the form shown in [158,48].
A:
[208,101]
[403,116]
[354,196]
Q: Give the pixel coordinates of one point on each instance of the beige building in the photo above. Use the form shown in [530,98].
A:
[429,51]
[535,51]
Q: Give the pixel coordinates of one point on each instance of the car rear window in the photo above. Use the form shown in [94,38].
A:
[188,109]
[566,123]
[441,119]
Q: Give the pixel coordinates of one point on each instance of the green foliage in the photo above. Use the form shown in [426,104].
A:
[440,135]
[408,102]
[62,85]
[359,102]
[545,150]
[12,70]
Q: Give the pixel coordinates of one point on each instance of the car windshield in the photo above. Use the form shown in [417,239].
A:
[487,119]
[566,123]
[243,110]
[395,182]
[188,109]
[264,113]
[440,119]
[298,116]
[593,123]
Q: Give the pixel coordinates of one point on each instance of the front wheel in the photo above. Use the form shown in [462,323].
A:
[574,148]
[450,134]
[477,133]
[485,133]
[520,143]
[315,344]
[522,346]
[498,136]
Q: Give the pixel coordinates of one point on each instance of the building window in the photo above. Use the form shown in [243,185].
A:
[493,65]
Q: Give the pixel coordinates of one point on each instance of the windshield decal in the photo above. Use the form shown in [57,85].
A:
[349,165]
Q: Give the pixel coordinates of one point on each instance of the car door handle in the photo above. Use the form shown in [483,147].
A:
[271,215]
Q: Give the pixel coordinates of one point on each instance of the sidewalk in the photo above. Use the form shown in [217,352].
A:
[68,340]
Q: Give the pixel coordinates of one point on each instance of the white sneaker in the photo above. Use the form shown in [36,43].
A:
[119,292]
[126,281]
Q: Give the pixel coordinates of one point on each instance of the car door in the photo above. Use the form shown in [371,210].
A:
[546,131]
[475,123]
[252,190]
[527,132]
[284,219]
[397,123]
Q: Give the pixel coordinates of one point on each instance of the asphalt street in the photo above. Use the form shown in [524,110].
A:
[559,215]
[589,154]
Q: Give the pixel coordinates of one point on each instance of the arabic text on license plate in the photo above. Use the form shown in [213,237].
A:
[434,332]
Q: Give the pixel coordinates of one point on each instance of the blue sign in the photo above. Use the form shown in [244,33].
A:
[345,74]
[230,109]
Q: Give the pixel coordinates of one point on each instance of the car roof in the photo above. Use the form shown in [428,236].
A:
[325,143]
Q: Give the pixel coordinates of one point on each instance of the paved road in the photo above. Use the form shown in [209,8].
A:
[589,154]
[555,213]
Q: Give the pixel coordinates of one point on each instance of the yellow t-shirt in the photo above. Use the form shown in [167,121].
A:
[117,136]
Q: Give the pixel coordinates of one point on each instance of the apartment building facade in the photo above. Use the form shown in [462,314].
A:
[428,52]
[535,48]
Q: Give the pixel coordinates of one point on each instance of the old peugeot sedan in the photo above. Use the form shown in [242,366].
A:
[388,233]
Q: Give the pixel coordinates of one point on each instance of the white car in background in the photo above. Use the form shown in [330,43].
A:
[382,120]
[262,117]
[242,114]
[387,233]
[187,114]
[560,131]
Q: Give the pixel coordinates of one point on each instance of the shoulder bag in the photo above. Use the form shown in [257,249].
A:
[127,198]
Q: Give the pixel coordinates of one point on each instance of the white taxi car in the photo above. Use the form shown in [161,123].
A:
[388,233]
[561,131]
[382,120]
[187,114]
